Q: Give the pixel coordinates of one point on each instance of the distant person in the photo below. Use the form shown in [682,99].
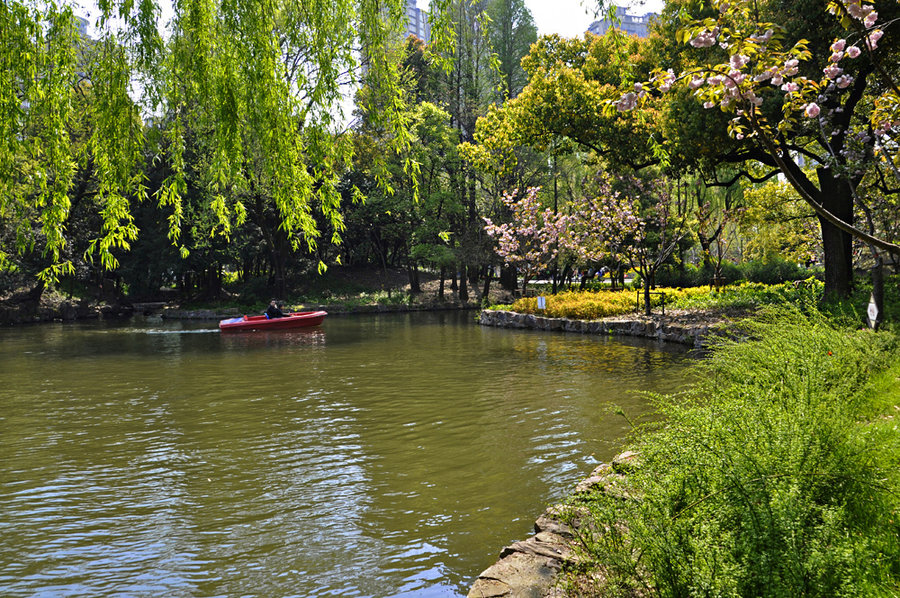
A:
[273,311]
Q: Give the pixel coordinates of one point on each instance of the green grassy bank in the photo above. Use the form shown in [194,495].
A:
[776,474]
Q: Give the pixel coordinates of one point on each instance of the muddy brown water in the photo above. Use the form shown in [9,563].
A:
[389,455]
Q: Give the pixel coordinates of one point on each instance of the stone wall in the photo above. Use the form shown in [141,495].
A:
[660,328]
[530,568]
[65,311]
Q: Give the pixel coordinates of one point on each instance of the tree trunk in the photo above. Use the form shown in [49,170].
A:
[646,297]
[463,285]
[836,197]
[508,278]
[414,287]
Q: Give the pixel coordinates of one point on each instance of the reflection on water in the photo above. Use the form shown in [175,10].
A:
[373,456]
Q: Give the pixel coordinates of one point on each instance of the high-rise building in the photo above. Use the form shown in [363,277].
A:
[631,24]
[417,21]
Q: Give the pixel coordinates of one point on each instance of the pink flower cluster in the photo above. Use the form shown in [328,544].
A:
[738,82]
[705,39]
[531,240]
[862,12]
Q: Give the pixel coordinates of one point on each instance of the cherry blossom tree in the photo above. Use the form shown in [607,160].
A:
[533,238]
[636,225]
[831,135]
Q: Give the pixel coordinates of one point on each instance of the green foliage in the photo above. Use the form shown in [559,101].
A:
[774,270]
[763,481]
[579,305]
[775,222]
[245,100]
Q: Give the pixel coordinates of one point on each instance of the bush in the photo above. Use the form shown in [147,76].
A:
[580,305]
[763,481]
[773,271]
[591,305]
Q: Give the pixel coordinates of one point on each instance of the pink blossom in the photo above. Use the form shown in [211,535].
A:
[705,39]
[696,82]
[764,76]
[764,38]
[838,46]
[837,56]
[853,51]
[777,79]
[753,98]
[737,61]
[859,11]
[627,102]
[791,67]
[833,71]
[709,104]
[668,78]
[812,110]
[790,87]
[870,19]
[844,81]
[873,37]
[737,77]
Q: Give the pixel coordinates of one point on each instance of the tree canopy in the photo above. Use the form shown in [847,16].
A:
[249,92]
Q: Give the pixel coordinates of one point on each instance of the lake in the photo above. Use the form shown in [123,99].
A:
[376,455]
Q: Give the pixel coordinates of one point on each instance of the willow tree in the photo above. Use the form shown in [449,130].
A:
[260,83]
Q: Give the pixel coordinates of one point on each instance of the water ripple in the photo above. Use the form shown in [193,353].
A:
[388,456]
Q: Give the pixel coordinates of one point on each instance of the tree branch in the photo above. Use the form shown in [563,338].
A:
[744,174]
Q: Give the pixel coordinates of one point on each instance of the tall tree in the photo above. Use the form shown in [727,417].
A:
[260,81]
[812,97]
[511,33]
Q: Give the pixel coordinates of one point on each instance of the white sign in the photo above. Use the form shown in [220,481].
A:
[872,311]
[542,303]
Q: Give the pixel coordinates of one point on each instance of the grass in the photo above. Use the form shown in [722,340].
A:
[774,475]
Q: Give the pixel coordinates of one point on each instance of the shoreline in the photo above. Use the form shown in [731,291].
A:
[72,311]
[531,567]
[691,328]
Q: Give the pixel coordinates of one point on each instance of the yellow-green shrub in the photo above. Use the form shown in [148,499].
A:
[580,305]
[591,305]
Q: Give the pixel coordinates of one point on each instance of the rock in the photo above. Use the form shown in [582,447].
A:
[692,331]
[529,569]
[625,462]
[526,569]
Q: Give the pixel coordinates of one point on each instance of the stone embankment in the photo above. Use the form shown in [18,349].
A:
[530,568]
[687,328]
[66,311]
[58,311]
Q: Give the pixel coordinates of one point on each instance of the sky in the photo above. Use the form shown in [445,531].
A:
[568,18]
[571,18]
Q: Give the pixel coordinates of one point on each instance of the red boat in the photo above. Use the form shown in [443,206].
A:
[300,319]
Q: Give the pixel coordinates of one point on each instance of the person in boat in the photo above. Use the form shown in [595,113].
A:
[273,311]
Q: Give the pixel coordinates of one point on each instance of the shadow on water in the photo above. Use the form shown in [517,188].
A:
[373,456]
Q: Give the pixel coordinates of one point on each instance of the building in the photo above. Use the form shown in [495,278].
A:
[417,22]
[632,24]
[82,25]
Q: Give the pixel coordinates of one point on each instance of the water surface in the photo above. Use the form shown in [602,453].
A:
[389,455]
